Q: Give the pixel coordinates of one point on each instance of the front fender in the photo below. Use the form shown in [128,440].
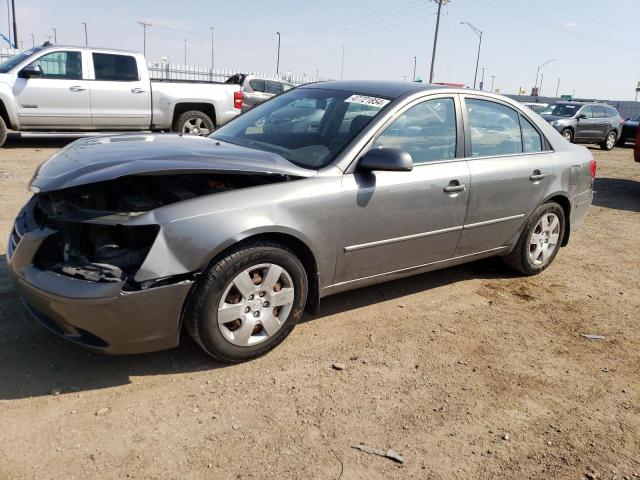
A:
[9,103]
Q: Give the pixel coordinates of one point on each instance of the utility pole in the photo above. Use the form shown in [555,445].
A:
[435,37]
[33,40]
[482,80]
[212,57]
[144,37]
[278,60]
[9,21]
[493,79]
[415,62]
[478,32]
[557,88]
[185,51]
[15,28]
[86,37]
[342,64]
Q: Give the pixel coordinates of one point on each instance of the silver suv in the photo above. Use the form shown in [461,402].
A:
[585,122]
[256,90]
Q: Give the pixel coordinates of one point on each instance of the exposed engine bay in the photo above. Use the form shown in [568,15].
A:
[93,241]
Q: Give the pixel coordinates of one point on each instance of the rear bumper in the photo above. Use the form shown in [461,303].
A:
[99,316]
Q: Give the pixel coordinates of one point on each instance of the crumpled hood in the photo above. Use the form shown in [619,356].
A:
[99,159]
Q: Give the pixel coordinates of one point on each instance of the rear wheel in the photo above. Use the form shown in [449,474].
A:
[609,141]
[248,302]
[540,240]
[3,132]
[193,122]
[567,133]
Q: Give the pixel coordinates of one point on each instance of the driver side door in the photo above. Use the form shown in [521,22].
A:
[393,221]
[57,99]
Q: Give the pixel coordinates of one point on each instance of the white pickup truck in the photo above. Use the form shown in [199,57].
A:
[81,89]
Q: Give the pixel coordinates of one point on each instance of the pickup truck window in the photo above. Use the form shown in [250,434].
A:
[274,87]
[60,65]
[118,68]
[258,85]
[17,59]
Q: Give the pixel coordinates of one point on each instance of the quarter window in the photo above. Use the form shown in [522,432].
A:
[119,68]
[531,139]
[495,129]
[427,131]
[60,65]
[257,85]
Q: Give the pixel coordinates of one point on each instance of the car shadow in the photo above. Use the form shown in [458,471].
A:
[617,193]
[34,362]
[15,140]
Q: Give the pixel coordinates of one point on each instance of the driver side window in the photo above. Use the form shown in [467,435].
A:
[60,65]
[427,131]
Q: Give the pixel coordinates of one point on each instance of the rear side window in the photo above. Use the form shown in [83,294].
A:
[531,139]
[495,129]
[427,131]
[257,85]
[611,112]
[274,87]
[61,65]
[598,112]
[122,68]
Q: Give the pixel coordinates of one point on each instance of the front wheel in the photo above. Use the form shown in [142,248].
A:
[540,240]
[193,122]
[3,132]
[609,141]
[568,135]
[247,302]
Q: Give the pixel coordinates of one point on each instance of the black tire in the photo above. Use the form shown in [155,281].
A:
[567,133]
[519,259]
[197,116]
[3,132]
[608,144]
[201,316]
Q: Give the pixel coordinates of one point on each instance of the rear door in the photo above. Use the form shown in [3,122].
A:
[601,123]
[59,99]
[510,169]
[120,92]
[398,220]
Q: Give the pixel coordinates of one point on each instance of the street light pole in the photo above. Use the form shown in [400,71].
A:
[55,35]
[415,62]
[435,38]
[557,88]
[482,80]
[15,28]
[540,67]
[212,57]
[278,60]
[342,64]
[33,40]
[144,41]
[478,32]
[86,37]
[493,79]
[541,79]
[185,51]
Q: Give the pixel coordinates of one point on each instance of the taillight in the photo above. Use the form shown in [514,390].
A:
[237,100]
[593,167]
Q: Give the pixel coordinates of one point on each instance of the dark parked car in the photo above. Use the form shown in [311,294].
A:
[629,131]
[585,122]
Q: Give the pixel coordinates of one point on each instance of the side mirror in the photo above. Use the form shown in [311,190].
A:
[386,159]
[581,116]
[30,71]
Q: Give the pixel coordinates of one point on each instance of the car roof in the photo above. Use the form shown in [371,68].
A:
[84,47]
[376,88]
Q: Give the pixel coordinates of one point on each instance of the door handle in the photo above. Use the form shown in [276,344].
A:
[77,88]
[137,90]
[454,187]
[537,176]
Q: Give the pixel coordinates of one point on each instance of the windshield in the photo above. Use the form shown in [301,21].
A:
[561,110]
[16,59]
[307,126]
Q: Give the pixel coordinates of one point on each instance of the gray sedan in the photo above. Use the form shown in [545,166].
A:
[129,239]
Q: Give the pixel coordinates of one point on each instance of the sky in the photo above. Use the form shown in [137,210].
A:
[594,44]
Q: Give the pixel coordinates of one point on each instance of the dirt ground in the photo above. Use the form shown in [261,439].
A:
[468,372]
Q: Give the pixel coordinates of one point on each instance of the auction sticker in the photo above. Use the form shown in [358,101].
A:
[365,100]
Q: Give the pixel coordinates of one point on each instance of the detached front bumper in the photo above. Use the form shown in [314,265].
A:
[99,316]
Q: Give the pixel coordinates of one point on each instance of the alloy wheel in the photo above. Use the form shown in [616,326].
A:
[611,141]
[544,239]
[255,304]
[195,126]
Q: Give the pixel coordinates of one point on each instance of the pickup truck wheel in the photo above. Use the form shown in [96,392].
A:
[3,132]
[193,122]
[247,301]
